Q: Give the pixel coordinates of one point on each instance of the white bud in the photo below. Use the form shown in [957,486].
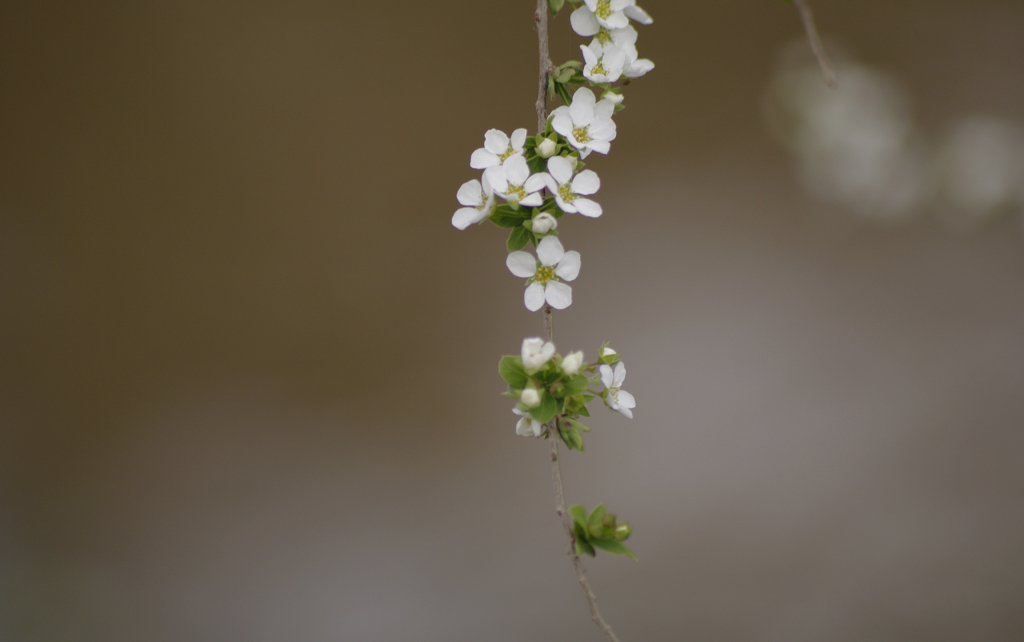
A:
[573,161]
[614,98]
[546,148]
[608,351]
[536,353]
[572,362]
[530,397]
[544,223]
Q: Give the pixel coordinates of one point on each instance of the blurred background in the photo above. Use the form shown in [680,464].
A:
[248,384]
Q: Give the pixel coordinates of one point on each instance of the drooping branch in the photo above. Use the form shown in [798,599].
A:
[812,37]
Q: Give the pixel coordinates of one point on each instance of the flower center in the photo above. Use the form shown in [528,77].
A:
[508,152]
[613,392]
[598,69]
[603,36]
[565,191]
[581,134]
[516,191]
[604,8]
[544,274]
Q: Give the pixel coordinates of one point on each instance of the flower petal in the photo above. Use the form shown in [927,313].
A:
[518,139]
[586,182]
[470,193]
[496,142]
[535,183]
[532,200]
[550,183]
[466,216]
[495,177]
[638,14]
[583,22]
[569,267]
[550,251]
[516,170]
[582,108]
[561,122]
[620,374]
[638,68]
[521,264]
[624,411]
[606,375]
[626,400]
[533,297]
[565,206]
[599,146]
[560,169]
[482,159]
[558,294]
[587,207]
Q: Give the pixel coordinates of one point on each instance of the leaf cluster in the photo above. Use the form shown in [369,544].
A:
[600,529]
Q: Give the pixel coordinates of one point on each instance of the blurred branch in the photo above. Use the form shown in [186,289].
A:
[541,16]
[812,37]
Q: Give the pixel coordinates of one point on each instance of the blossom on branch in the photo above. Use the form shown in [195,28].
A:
[535,353]
[602,64]
[586,123]
[527,425]
[617,398]
[478,197]
[512,181]
[498,148]
[568,190]
[544,285]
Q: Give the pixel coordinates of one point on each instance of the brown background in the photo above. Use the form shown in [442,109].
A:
[247,368]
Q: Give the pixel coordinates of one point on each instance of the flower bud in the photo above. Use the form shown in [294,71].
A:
[535,353]
[530,397]
[546,148]
[572,362]
[616,99]
[573,161]
[544,223]
[623,531]
[557,389]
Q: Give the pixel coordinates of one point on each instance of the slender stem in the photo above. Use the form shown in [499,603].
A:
[812,36]
[541,17]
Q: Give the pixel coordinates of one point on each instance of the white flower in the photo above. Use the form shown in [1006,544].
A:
[479,201]
[602,64]
[535,353]
[624,39]
[612,96]
[497,148]
[527,425]
[546,148]
[608,13]
[572,362]
[586,123]
[512,181]
[543,223]
[567,190]
[530,397]
[618,399]
[555,263]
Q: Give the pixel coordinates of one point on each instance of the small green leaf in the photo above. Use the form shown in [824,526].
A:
[555,6]
[578,426]
[518,239]
[547,409]
[576,439]
[584,548]
[613,546]
[579,514]
[508,218]
[586,413]
[596,514]
[511,370]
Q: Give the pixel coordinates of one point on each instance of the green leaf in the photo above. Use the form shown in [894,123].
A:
[578,426]
[547,409]
[584,548]
[575,385]
[518,239]
[555,6]
[596,514]
[576,439]
[511,370]
[505,216]
[579,514]
[613,546]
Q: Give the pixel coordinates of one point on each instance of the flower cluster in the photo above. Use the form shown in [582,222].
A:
[527,185]
[553,391]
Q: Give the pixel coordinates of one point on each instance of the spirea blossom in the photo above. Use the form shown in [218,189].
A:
[572,362]
[544,274]
[618,399]
[586,123]
[478,198]
[497,148]
[569,191]
[513,182]
[535,353]
[602,64]
[527,426]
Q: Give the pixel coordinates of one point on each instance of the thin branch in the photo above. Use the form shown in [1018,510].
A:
[541,16]
[812,36]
